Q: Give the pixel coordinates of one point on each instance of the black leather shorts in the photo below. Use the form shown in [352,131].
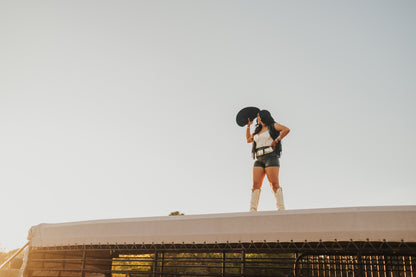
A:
[266,160]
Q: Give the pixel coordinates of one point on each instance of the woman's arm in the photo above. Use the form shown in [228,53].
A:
[282,129]
[249,137]
[283,132]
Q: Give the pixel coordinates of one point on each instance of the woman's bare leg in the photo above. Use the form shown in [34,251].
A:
[258,176]
[273,177]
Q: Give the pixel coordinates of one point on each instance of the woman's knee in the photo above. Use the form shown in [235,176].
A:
[275,185]
[256,186]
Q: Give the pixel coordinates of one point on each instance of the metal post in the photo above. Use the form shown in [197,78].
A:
[371,266]
[84,255]
[319,265]
[313,265]
[329,262]
[155,264]
[365,266]
[223,265]
[63,264]
[162,264]
[385,266]
[243,263]
[359,265]
[378,266]
[43,260]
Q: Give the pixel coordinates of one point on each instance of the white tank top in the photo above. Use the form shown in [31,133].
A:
[262,140]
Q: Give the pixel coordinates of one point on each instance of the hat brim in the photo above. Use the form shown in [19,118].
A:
[245,114]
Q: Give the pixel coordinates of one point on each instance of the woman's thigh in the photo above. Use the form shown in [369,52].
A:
[258,176]
[273,174]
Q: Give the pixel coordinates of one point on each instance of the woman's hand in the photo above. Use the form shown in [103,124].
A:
[249,122]
[274,144]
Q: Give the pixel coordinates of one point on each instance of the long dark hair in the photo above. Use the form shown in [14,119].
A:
[266,118]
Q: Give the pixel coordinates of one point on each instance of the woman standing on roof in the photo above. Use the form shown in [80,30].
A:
[267,147]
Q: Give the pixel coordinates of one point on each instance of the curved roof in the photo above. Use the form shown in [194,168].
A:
[391,223]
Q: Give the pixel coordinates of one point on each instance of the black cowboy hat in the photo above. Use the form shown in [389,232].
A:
[245,114]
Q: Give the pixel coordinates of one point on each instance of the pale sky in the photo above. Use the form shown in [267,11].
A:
[115,109]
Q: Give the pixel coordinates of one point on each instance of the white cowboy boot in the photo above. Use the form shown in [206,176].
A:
[255,196]
[278,195]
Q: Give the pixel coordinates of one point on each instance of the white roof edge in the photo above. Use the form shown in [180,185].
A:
[357,223]
[243,214]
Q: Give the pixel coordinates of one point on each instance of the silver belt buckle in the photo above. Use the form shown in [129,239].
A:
[267,150]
